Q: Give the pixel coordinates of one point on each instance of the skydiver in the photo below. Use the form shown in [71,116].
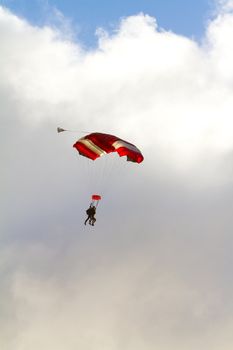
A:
[91,211]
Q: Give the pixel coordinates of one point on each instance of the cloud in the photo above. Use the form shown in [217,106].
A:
[155,271]
[224,6]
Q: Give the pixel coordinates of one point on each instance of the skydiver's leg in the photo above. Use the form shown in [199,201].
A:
[86,220]
[90,220]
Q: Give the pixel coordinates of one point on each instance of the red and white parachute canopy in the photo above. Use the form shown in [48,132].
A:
[97,144]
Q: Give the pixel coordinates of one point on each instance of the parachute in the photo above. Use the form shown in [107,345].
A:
[97,144]
[95,199]
[94,146]
[60,130]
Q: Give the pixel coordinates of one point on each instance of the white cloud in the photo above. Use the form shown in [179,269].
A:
[224,6]
[149,274]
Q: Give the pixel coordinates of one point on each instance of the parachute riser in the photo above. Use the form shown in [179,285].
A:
[95,203]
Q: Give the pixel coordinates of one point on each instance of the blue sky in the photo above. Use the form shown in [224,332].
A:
[180,16]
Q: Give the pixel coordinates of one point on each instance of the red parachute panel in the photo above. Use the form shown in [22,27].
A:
[97,144]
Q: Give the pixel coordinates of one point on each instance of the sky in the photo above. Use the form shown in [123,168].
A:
[85,16]
[155,270]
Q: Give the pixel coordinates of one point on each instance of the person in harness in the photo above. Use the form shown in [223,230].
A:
[91,211]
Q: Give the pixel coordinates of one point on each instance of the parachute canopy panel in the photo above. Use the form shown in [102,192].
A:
[97,144]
